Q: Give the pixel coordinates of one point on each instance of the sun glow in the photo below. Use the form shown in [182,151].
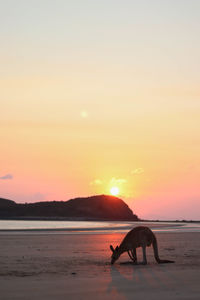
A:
[114,191]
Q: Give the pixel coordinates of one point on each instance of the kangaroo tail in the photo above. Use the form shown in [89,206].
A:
[155,249]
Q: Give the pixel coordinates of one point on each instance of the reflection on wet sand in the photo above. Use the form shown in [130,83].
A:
[128,279]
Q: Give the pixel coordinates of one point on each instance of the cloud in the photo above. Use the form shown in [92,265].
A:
[96,182]
[113,181]
[117,181]
[137,171]
[6,177]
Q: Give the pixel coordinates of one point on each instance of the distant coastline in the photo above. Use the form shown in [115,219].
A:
[77,219]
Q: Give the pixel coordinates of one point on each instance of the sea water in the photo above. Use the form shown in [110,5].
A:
[70,227]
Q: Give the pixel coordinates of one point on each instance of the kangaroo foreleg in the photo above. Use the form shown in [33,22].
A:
[132,255]
[133,251]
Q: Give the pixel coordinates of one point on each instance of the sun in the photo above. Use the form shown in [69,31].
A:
[114,191]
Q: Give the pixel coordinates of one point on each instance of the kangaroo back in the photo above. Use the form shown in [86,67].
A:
[155,249]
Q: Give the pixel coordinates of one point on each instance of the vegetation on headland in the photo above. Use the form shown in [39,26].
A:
[100,207]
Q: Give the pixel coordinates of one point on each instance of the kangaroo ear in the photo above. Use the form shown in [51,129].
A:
[117,248]
[111,248]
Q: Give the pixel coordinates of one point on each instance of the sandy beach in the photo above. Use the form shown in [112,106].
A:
[77,266]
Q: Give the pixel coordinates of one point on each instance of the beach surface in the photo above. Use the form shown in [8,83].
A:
[77,266]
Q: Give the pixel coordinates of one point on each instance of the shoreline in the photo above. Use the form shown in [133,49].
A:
[39,226]
[70,227]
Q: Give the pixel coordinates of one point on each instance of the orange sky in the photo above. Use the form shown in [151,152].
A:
[93,97]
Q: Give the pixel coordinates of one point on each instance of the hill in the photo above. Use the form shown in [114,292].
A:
[101,207]
[4,203]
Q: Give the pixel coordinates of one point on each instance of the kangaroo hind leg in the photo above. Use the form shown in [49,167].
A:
[144,255]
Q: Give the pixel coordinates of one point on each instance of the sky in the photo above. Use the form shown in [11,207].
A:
[102,94]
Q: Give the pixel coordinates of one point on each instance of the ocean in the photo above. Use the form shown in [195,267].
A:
[74,227]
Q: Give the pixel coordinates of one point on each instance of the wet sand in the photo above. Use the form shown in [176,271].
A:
[77,266]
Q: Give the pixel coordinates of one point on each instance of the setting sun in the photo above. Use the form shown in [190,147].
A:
[114,191]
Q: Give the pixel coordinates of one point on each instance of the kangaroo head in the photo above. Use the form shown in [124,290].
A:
[115,254]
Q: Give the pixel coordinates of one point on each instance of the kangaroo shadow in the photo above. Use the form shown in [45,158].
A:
[124,279]
[131,281]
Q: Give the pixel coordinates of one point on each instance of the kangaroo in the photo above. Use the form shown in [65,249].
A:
[140,236]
